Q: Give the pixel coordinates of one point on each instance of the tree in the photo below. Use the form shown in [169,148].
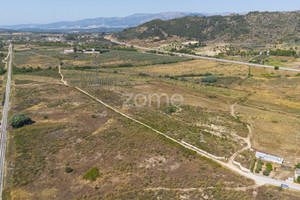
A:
[266,172]
[276,68]
[68,170]
[269,166]
[18,120]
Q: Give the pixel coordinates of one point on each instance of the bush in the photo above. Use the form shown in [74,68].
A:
[18,120]
[266,172]
[269,166]
[169,109]
[69,170]
[253,164]
[92,174]
[260,162]
[276,68]
[298,179]
[259,166]
[210,79]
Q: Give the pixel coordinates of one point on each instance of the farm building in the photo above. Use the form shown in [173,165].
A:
[92,51]
[267,157]
[66,51]
[297,173]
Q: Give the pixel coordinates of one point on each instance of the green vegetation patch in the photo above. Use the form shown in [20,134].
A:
[19,119]
[49,72]
[210,79]
[92,174]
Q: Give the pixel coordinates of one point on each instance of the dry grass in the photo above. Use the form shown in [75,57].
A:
[120,149]
[132,159]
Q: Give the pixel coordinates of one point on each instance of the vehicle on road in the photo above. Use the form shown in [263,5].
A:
[285,186]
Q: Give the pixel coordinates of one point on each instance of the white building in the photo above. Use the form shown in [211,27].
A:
[297,173]
[92,51]
[267,157]
[66,51]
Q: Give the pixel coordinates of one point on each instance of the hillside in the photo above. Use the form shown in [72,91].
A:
[253,27]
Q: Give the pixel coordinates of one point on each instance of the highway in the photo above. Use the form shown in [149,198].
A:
[201,57]
[3,129]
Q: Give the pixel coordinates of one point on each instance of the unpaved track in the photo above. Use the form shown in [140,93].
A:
[258,179]
[246,140]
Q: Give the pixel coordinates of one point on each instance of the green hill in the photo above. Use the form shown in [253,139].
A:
[253,27]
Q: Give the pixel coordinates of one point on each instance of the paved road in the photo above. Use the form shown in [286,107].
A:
[259,180]
[3,129]
[203,57]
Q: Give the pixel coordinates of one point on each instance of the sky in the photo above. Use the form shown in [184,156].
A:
[14,12]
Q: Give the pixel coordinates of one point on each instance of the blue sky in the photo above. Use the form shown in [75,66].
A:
[46,11]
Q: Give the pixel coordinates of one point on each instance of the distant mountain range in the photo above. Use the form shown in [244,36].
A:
[105,24]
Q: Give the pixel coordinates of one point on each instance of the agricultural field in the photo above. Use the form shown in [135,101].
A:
[78,149]
[278,107]
[36,58]
[119,58]
[196,120]
[112,157]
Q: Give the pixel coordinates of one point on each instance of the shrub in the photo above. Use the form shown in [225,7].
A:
[210,79]
[260,162]
[298,179]
[269,166]
[183,79]
[68,170]
[266,172]
[276,68]
[259,166]
[92,174]
[253,164]
[19,119]
[169,109]
[143,75]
